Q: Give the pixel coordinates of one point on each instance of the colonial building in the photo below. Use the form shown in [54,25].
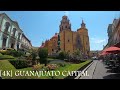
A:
[113,33]
[11,36]
[70,40]
[25,43]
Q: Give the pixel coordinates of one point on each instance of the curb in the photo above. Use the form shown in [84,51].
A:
[81,69]
[84,70]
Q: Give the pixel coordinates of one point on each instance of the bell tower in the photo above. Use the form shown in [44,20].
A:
[65,24]
[83,24]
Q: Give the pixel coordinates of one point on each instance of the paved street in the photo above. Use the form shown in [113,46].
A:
[100,71]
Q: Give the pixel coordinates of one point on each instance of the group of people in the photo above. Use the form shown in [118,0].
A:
[111,59]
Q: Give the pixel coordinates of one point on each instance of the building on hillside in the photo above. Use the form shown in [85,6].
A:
[70,40]
[11,36]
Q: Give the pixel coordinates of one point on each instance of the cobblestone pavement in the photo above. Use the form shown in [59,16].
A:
[98,70]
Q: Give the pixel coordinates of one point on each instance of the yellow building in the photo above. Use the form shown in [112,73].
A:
[70,40]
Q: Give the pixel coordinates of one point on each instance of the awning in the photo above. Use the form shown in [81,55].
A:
[112,48]
[104,53]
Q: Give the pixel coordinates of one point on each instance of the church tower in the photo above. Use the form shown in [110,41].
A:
[83,32]
[83,24]
[65,24]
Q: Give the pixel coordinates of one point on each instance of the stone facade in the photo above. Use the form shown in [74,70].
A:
[70,40]
[113,33]
[11,36]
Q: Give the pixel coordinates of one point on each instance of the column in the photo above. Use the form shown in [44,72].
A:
[7,40]
[1,40]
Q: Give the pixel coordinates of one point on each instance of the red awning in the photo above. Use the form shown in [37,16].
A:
[104,53]
[112,48]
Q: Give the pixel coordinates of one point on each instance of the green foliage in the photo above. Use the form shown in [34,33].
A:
[0,54]
[15,53]
[43,54]
[18,64]
[3,52]
[12,52]
[62,55]
[62,64]
[34,55]
[53,57]
[6,57]
[6,65]
[77,53]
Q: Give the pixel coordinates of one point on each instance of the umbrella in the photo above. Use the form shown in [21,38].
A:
[112,49]
[104,53]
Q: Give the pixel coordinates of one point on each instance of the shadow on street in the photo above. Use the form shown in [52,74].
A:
[112,76]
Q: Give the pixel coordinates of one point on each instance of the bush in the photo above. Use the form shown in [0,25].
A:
[52,66]
[34,55]
[3,52]
[62,55]
[18,64]
[6,57]
[12,52]
[37,67]
[53,57]
[15,53]
[43,54]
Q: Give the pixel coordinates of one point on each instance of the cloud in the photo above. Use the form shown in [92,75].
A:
[97,43]
[97,40]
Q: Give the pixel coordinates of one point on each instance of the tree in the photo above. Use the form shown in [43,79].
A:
[34,55]
[62,55]
[77,54]
[43,54]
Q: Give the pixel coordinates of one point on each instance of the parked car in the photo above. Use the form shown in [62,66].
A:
[94,58]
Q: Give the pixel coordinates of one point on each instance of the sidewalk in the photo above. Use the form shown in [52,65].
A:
[98,70]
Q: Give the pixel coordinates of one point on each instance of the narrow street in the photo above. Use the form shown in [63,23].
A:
[98,70]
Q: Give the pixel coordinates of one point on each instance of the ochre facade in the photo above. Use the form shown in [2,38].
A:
[70,40]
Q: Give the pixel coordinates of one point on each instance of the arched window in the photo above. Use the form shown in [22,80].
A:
[7,25]
[19,35]
[65,26]
[14,30]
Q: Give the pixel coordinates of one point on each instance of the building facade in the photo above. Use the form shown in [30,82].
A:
[113,33]
[25,43]
[70,40]
[11,36]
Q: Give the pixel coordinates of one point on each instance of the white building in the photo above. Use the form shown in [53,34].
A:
[10,34]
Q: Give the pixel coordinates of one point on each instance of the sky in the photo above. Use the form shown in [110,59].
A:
[41,25]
